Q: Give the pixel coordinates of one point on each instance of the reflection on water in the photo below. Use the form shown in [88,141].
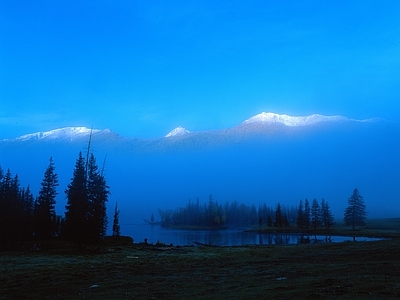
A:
[227,237]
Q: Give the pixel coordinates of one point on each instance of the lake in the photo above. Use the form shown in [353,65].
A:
[226,237]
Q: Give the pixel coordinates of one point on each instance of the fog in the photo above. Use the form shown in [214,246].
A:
[325,162]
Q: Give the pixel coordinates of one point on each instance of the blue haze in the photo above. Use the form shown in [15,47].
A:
[142,68]
[283,166]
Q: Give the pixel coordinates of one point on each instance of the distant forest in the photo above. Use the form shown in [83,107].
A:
[25,219]
[213,215]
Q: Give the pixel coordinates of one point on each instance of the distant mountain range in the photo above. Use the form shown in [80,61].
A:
[257,123]
[268,157]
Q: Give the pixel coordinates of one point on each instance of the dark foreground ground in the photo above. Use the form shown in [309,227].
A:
[363,270]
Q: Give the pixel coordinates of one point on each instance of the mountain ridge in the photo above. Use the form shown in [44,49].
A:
[253,161]
[264,118]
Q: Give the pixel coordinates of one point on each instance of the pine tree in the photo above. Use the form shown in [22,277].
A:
[3,205]
[269,221]
[1,179]
[315,214]
[28,202]
[116,229]
[16,211]
[44,214]
[87,194]
[307,212]
[300,216]
[77,208]
[11,210]
[355,213]
[97,197]
[279,218]
[327,216]
[285,221]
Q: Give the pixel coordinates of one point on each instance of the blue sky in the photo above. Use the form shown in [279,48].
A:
[142,68]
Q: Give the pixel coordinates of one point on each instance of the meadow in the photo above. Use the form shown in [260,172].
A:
[120,270]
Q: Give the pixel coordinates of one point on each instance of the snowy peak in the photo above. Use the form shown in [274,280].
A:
[69,133]
[178,131]
[257,123]
[293,121]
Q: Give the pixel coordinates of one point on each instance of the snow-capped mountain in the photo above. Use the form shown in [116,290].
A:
[281,156]
[178,131]
[67,133]
[293,121]
[263,123]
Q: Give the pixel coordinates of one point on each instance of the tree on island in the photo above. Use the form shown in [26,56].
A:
[285,220]
[279,217]
[315,214]
[307,213]
[116,229]
[269,221]
[303,220]
[355,213]
[326,215]
[44,211]
[300,216]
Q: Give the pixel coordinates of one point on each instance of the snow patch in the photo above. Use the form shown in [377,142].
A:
[61,133]
[294,121]
[178,131]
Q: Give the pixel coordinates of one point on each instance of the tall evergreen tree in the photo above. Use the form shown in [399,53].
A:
[307,213]
[300,216]
[11,210]
[326,214]
[16,211]
[355,214]
[279,218]
[77,208]
[87,194]
[28,203]
[3,204]
[116,229]
[44,214]
[269,221]
[285,221]
[97,197]
[315,214]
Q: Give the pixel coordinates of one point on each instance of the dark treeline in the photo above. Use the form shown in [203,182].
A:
[16,210]
[215,215]
[23,217]
[26,220]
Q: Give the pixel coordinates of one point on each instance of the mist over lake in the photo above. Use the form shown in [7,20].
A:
[267,163]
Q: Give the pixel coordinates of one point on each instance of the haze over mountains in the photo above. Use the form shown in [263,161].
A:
[267,158]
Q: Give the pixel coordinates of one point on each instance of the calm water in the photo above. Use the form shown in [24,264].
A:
[227,237]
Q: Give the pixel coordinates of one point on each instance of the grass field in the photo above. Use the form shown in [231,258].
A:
[364,270]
